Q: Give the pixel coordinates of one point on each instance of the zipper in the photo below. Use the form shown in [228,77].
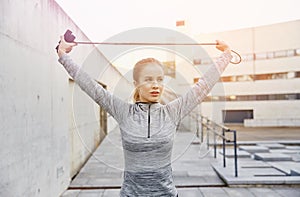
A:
[149,121]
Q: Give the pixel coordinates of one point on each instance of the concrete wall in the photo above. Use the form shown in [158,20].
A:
[40,147]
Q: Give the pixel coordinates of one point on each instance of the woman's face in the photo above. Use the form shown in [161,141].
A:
[150,83]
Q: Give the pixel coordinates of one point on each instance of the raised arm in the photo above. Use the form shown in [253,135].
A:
[183,105]
[113,105]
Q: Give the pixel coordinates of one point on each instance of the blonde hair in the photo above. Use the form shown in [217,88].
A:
[138,67]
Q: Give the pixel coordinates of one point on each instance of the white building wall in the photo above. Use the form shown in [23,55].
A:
[266,113]
[260,87]
[277,37]
[283,36]
[39,150]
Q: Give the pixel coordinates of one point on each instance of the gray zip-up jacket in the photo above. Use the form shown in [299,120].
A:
[147,129]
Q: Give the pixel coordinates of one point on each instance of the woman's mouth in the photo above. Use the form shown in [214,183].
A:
[154,93]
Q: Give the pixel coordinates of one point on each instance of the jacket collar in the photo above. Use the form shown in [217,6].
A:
[145,105]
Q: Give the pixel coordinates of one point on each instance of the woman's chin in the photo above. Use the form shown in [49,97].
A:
[154,99]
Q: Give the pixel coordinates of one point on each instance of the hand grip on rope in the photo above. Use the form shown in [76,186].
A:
[68,36]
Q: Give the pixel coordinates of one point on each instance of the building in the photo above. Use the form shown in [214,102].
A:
[264,89]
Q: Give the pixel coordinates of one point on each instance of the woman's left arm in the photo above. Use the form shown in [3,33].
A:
[183,105]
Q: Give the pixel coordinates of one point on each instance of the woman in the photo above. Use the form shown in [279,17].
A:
[147,127]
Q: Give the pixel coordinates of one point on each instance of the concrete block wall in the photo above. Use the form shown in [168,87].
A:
[36,101]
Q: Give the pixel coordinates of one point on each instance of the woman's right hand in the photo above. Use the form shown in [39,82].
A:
[64,47]
[222,46]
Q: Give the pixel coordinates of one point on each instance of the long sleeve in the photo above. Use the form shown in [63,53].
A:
[183,105]
[113,105]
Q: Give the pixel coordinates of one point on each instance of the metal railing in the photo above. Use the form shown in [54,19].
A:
[220,131]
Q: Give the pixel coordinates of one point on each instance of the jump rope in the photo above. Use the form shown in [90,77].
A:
[69,37]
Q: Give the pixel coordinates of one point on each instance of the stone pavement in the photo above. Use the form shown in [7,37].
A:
[201,192]
[192,169]
[266,164]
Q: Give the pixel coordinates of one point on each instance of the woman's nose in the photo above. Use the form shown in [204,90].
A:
[155,83]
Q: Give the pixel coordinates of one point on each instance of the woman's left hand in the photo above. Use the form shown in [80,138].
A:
[222,46]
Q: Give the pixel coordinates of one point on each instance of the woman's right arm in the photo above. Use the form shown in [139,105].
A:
[183,105]
[113,105]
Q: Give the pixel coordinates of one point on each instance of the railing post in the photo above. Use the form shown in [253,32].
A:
[224,148]
[215,142]
[197,125]
[201,128]
[207,133]
[235,153]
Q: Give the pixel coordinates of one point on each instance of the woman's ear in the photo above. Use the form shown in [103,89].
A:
[135,83]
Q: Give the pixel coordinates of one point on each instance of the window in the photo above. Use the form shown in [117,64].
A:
[170,68]
[263,97]
[256,56]
[270,55]
[291,75]
[262,77]
[197,61]
[260,56]
[226,79]
[279,76]
[291,96]
[248,57]
[280,53]
[180,23]
[207,61]
[243,78]
[291,53]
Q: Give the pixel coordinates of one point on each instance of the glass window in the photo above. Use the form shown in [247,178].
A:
[226,79]
[262,77]
[196,79]
[280,53]
[291,75]
[253,97]
[270,55]
[170,68]
[197,61]
[261,97]
[291,53]
[279,76]
[206,61]
[180,23]
[260,56]
[243,78]
[232,97]
[248,57]
[215,98]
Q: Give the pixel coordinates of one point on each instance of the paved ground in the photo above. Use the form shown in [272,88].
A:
[193,172]
[201,192]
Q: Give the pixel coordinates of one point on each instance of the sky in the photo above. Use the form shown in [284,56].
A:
[102,19]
